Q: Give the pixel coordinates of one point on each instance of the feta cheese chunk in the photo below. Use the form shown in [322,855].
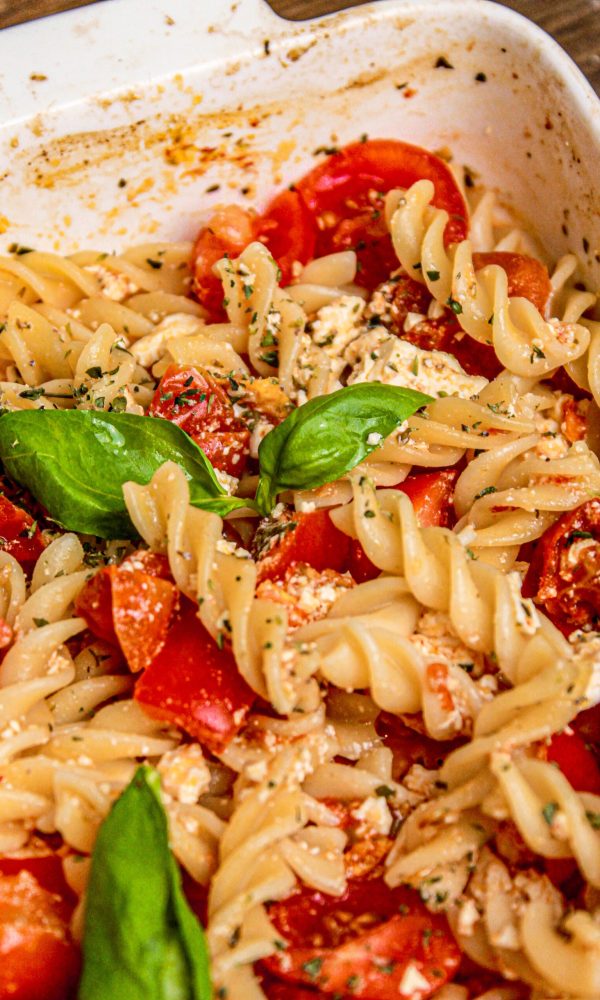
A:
[378,356]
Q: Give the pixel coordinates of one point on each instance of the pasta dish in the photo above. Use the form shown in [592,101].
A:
[299,598]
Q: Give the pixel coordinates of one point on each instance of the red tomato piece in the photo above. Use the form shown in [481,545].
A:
[228,231]
[300,538]
[196,402]
[568,587]
[38,960]
[287,228]
[577,762]
[283,991]
[410,746]
[132,606]
[431,496]
[363,943]
[344,194]
[527,277]
[47,869]
[195,685]
[20,535]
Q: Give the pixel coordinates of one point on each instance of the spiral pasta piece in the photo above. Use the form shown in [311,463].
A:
[223,583]
[524,342]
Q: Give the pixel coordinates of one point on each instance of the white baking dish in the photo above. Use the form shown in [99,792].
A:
[176,97]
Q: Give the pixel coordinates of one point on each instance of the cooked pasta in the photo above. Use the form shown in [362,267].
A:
[356,642]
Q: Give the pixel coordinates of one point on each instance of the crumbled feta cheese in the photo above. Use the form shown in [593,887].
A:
[185,773]
[229,483]
[337,324]
[413,982]
[373,815]
[468,916]
[113,284]
[587,652]
[378,356]
[436,639]
[374,438]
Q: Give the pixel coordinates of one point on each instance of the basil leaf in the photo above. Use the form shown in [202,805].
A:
[141,940]
[320,441]
[76,461]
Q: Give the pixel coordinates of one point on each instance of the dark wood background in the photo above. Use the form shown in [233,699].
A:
[574,23]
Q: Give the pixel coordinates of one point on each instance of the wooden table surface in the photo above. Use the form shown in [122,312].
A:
[574,23]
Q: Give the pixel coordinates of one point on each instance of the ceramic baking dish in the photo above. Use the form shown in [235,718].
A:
[132,119]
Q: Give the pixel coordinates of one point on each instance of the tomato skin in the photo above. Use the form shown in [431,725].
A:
[228,231]
[314,540]
[15,528]
[578,764]
[287,228]
[196,402]
[132,606]
[38,960]
[194,685]
[366,958]
[569,592]
[431,496]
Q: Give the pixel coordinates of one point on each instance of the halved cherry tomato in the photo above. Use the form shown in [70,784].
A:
[195,685]
[363,943]
[431,496]
[344,194]
[566,581]
[306,538]
[132,606]
[283,991]
[19,534]
[227,233]
[287,228]
[196,402]
[38,959]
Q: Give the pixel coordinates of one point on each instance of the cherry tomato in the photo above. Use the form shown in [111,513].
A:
[363,943]
[196,402]
[431,496]
[20,535]
[194,685]
[564,579]
[227,233]
[132,606]
[38,960]
[287,228]
[306,538]
[344,194]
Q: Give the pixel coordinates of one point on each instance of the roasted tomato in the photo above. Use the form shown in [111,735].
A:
[132,606]
[195,685]
[288,229]
[226,234]
[431,495]
[299,538]
[196,402]
[345,196]
[38,959]
[19,534]
[373,943]
[564,574]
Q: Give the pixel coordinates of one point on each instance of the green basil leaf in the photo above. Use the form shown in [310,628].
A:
[76,461]
[320,441]
[141,940]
